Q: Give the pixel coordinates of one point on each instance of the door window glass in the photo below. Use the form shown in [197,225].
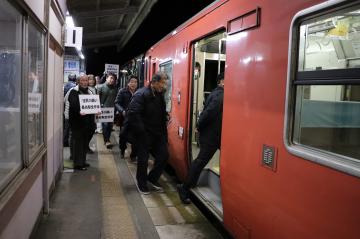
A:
[10,91]
[35,81]
[167,68]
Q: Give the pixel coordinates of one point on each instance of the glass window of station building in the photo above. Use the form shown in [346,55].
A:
[22,72]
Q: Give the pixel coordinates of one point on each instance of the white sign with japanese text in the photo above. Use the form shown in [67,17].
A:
[112,68]
[34,102]
[89,104]
[107,115]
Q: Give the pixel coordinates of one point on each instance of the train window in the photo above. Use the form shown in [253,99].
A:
[323,123]
[35,85]
[330,42]
[10,92]
[167,68]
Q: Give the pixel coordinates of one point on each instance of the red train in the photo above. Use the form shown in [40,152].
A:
[289,163]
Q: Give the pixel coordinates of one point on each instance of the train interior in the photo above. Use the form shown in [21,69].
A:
[209,61]
[329,43]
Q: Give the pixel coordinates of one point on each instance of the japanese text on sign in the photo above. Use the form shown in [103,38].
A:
[107,115]
[34,102]
[89,104]
[112,68]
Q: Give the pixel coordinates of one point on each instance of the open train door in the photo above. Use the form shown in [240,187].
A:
[208,61]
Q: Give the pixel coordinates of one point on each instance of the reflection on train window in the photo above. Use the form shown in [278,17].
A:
[209,61]
[35,88]
[167,68]
[331,42]
[327,87]
[10,92]
[328,117]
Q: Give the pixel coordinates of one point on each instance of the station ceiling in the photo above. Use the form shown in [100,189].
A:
[109,22]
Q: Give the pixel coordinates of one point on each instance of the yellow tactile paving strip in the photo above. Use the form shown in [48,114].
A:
[117,221]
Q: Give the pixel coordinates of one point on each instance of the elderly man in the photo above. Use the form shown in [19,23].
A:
[147,118]
[81,124]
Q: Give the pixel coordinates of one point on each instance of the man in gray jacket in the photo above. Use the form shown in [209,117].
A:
[107,93]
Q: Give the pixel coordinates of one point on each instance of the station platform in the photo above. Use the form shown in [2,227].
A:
[103,202]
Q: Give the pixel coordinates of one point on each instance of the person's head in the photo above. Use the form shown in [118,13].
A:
[32,76]
[159,81]
[197,70]
[220,79]
[72,77]
[132,82]
[92,81]
[83,80]
[110,78]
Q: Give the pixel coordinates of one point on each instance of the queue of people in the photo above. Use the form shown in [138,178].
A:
[144,126]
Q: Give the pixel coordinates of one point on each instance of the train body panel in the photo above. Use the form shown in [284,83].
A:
[297,198]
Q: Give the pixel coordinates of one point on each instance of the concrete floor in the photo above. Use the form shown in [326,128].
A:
[75,206]
[103,202]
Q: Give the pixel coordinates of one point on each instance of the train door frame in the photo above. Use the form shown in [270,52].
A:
[209,178]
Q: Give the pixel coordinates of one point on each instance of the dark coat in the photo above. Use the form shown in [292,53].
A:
[76,120]
[146,114]
[68,86]
[210,120]
[123,99]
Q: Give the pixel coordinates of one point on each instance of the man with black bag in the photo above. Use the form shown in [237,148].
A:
[121,104]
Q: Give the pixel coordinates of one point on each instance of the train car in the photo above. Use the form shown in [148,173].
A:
[289,162]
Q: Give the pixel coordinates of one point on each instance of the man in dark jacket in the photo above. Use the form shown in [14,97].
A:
[70,84]
[209,127]
[147,119]
[81,124]
[121,104]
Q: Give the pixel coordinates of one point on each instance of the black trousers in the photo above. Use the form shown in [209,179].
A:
[79,146]
[123,139]
[90,135]
[206,153]
[158,148]
[66,137]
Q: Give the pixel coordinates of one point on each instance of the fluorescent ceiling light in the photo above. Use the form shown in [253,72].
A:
[69,21]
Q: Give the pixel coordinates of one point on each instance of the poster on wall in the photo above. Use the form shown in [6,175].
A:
[113,68]
[71,66]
